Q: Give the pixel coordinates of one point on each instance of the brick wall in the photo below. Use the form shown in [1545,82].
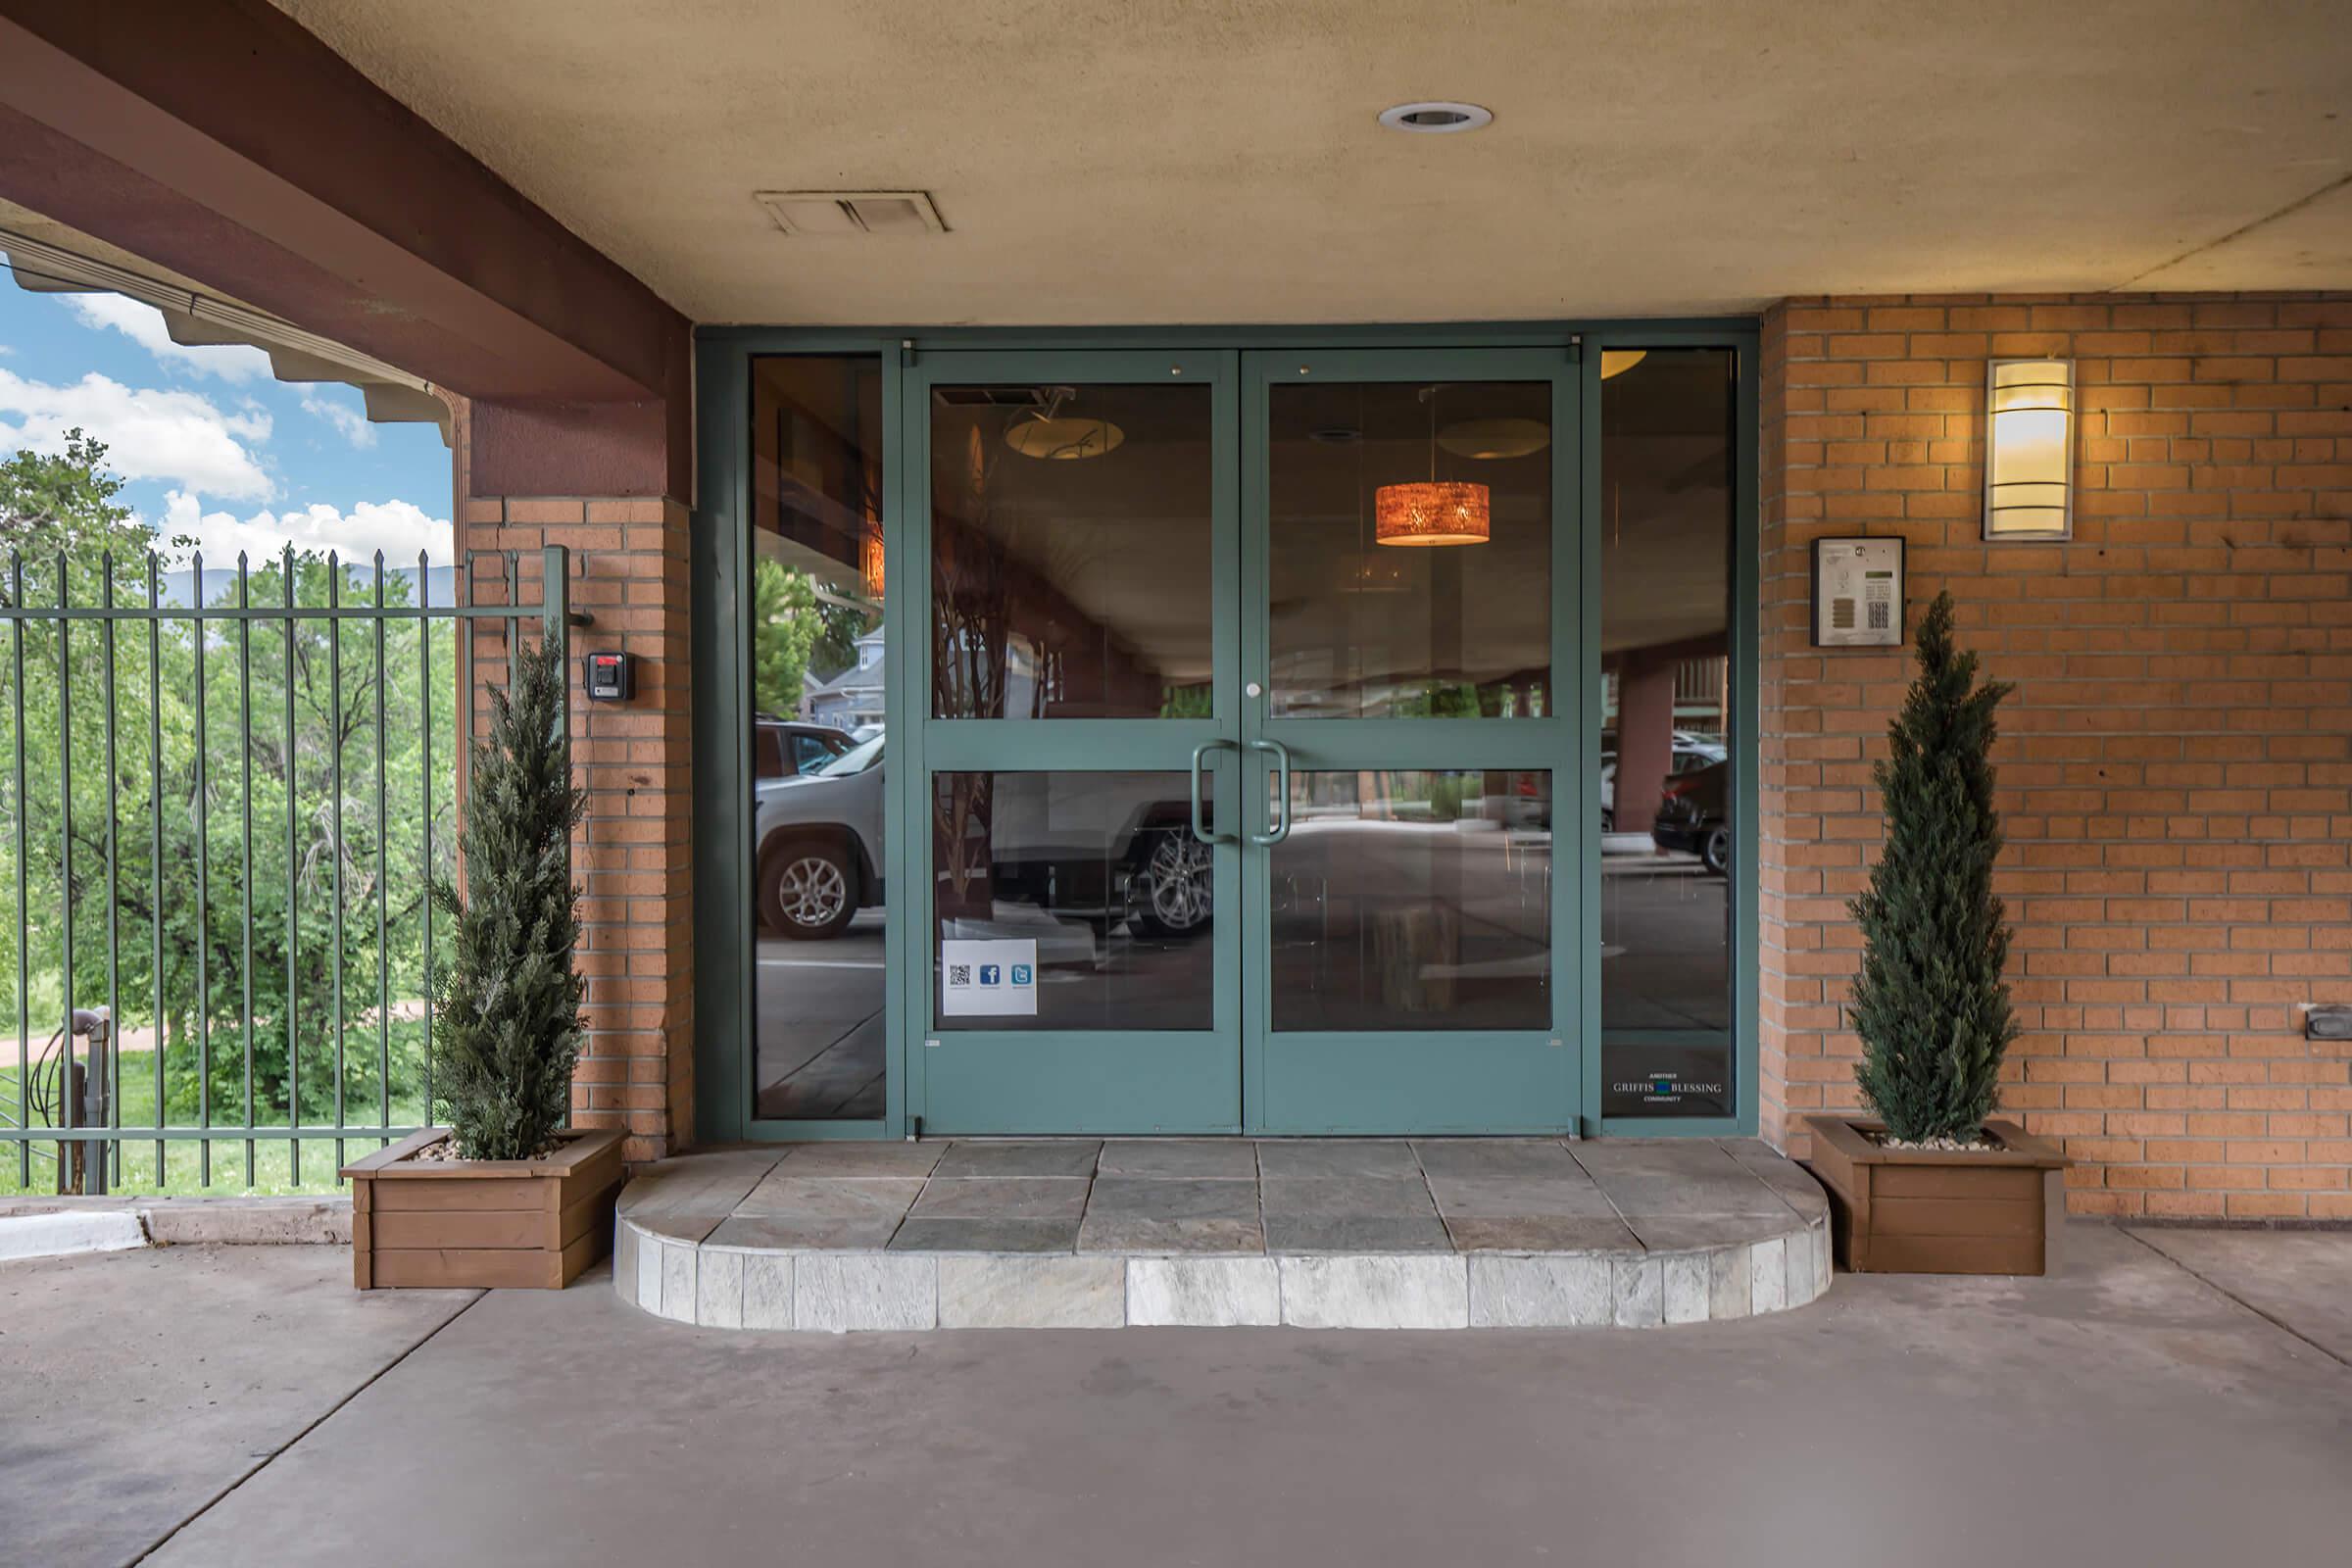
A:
[2175,769]
[633,855]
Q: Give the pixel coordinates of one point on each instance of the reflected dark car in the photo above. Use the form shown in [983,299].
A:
[1693,817]
[1691,754]
[784,748]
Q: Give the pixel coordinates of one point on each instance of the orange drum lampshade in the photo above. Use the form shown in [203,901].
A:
[1430,513]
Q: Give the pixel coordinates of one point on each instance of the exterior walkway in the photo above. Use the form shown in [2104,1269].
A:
[1310,1233]
[244,1405]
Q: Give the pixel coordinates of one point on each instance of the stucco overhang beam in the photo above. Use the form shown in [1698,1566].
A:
[222,140]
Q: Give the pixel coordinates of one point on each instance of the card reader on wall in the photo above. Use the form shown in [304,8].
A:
[2331,1022]
[609,677]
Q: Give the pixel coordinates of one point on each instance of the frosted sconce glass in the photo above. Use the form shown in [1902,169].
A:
[2029,448]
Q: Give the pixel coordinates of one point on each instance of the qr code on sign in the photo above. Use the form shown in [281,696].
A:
[959,974]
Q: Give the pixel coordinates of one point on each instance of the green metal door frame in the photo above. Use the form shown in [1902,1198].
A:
[1361,1082]
[720,633]
[1071,1081]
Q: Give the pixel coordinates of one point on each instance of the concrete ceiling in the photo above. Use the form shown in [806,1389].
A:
[1218,160]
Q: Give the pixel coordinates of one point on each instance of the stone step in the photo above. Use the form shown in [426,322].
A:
[736,1240]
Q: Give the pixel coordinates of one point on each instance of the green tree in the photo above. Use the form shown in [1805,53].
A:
[797,631]
[784,630]
[159,927]
[510,1002]
[1929,1003]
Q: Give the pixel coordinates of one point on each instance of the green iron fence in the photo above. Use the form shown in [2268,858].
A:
[223,810]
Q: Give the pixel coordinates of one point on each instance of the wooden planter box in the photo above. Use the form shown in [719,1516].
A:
[530,1224]
[1924,1211]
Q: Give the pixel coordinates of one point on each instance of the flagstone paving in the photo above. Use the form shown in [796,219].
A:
[1325,1233]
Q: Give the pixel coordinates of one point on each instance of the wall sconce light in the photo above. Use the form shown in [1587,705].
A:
[2029,450]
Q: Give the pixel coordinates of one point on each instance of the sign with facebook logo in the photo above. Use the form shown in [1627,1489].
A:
[996,979]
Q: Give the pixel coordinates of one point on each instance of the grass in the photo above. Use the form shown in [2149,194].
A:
[182,1173]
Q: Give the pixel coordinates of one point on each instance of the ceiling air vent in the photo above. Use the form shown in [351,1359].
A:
[814,213]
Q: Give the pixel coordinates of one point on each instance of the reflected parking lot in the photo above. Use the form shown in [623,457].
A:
[1665,961]
[821,1041]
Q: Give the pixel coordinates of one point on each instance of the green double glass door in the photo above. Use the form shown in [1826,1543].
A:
[1247,704]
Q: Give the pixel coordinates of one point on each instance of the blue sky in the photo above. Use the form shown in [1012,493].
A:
[210,443]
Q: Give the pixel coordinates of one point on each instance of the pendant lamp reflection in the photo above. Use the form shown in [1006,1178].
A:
[1431,512]
[1064,439]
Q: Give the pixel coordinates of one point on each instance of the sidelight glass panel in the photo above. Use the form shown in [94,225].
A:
[1071,552]
[1070,901]
[1410,555]
[1666,775]
[820,859]
[1413,900]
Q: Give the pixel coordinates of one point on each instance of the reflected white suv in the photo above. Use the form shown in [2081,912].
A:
[819,858]
[821,845]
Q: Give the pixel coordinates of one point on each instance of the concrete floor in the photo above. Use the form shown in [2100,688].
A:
[2123,1412]
[135,1387]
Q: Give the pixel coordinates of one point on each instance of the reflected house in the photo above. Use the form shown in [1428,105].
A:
[853,698]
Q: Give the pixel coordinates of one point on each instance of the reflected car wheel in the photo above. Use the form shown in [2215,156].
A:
[1715,852]
[807,891]
[1172,895]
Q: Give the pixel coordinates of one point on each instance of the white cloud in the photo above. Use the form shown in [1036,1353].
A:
[143,325]
[176,438]
[349,422]
[399,528]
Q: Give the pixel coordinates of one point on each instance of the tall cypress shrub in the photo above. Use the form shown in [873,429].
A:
[1929,1003]
[507,1019]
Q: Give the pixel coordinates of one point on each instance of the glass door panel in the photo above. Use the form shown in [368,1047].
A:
[1081,969]
[1412,900]
[1073,550]
[1407,955]
[821,855]
[1101,874]
[1370,615]
[1667,850]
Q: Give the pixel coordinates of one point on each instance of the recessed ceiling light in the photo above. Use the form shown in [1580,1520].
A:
[1435,117]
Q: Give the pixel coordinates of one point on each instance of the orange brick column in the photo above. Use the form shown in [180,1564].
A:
[2175,769]
[634,854]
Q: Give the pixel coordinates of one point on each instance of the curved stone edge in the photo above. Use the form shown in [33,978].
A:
[681,1278]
